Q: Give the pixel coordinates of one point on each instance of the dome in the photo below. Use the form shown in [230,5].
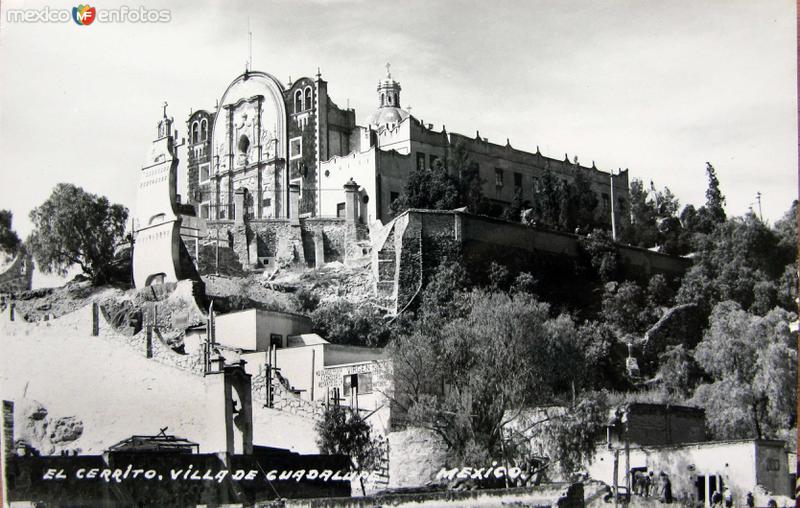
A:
[389,111]
[387,115]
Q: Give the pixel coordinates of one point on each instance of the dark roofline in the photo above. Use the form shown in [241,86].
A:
[763,442]
[667,407]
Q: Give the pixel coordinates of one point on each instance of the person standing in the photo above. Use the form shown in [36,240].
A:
[727,496]
[665,488]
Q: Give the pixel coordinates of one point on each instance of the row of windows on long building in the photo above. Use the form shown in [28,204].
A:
[427,161]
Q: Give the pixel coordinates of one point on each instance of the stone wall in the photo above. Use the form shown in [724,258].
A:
[17,275]
[175,308]
[415,456]
[283,399]
[265,243]
[551,256]
[333,233]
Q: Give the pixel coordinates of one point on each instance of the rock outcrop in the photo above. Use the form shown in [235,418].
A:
[44,433]
[682,324]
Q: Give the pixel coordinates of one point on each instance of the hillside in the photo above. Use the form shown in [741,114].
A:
[114,391]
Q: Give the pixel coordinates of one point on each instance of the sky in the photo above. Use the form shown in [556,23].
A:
[657,87]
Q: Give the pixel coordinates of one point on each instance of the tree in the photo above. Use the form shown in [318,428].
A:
[9,241]
[463,379]
[642,230]
[443,297]
[604,355]
[342,431]
[432,189]
[654,220]
[344,322]
[625,307]
[518,204]
[715,201]
[678,373]
[585,201]
[546,201]
[732,262]
[752,362]
[467,174]
[659,293]
[74,227]
[572,437]
[600,252]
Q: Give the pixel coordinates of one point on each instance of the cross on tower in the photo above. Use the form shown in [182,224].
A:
[165,108]
[388,71]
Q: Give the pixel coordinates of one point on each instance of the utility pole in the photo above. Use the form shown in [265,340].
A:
[613,219]
[758,199]
[133,241]
[216,249]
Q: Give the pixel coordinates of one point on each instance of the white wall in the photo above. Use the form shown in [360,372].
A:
[740,464]
[337,171]
[251,329]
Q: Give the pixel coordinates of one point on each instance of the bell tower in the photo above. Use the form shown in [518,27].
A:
[388,90]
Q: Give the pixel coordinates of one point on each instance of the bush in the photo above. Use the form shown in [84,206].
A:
[343,322]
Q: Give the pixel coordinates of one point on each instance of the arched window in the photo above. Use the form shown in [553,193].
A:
[244,144]
[203,130]
[383,99]
[156,278]
[195,132]
[298,101]
[389,100]
[308,103]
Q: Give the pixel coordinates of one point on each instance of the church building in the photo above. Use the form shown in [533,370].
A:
[263,137]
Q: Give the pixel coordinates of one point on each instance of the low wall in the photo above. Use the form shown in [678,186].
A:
[554,494]
[436,235]
[281,241]
[282,398]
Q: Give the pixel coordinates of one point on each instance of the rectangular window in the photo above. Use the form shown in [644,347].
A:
[498,177]
[420,161]
[276,339]
[620,205]
[432,158]
[362,383]
[349,382]
[340,210]
[204,172]
[393,196]
[517,181]
[205,210]
[365,382]
[295,148]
